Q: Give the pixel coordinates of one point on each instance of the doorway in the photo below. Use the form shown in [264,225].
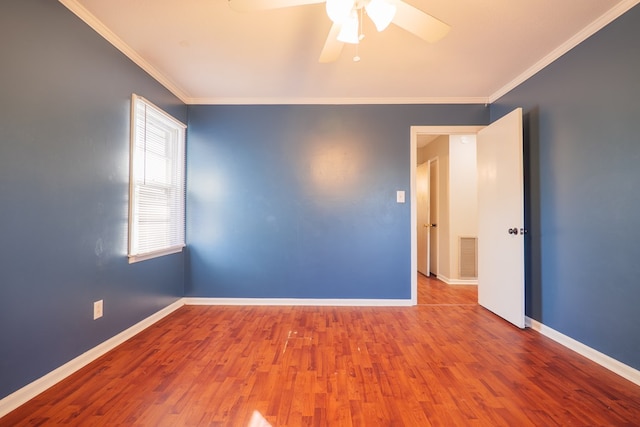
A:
[500,207]
[415,132]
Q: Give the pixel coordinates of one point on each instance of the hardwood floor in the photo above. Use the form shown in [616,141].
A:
[438,364]
[434,291]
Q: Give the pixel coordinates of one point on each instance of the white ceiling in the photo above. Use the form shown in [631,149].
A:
[206,53]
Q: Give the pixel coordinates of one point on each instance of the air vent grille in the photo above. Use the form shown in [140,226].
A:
[468,259]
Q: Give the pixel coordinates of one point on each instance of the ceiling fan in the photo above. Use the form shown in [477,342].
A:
[346,16]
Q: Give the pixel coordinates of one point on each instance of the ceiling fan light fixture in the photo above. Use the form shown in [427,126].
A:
[339,10]
[349,31]
[381,13]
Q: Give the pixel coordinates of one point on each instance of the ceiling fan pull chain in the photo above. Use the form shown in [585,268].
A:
[360,36]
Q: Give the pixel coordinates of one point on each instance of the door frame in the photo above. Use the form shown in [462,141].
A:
[414,132]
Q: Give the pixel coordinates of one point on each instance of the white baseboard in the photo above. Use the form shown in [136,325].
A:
[463,282]
[449,281]
[28,392]
[300,302]
[601,359]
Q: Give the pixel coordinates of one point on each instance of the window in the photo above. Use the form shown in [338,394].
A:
[156,200]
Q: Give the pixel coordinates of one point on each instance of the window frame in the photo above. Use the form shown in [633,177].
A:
[173,232]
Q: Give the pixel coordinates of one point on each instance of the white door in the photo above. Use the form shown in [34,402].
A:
[422,195]
[433,217]
[501,218]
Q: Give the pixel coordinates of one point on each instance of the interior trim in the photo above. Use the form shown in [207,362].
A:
[339,101]
[565,47]
[454,282]
[300,302]
[413,194]
[81,12]
[31,390]
[28,392]
[601,359]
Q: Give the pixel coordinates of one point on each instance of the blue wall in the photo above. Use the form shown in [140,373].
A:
[583,207]
[290,201]
[64,140]
[300,201]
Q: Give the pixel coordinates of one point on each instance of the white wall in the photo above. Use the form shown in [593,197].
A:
[439,148]
[463,206]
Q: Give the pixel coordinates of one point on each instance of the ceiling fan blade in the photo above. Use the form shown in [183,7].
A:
[419,23]
[251,5]
[332,47]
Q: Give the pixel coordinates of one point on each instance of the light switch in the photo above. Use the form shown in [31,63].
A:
[400,196]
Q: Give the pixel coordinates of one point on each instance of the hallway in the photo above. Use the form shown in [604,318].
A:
[432,291]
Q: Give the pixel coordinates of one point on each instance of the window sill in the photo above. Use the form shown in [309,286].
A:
[155,254]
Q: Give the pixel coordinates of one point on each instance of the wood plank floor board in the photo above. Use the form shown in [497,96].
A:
[446,362]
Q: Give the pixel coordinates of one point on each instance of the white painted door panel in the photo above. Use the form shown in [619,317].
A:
[500,211]
[422,193]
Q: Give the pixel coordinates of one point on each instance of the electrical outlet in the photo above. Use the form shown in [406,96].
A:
[97,310]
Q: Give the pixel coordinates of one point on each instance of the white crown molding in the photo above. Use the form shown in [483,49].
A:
[575,40]
[116,41]
[81,12]
[31,390]
[88,18]
[601,359]
[300,302]
[336,101]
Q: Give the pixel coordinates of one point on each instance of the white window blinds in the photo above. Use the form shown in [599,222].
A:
[157,189]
